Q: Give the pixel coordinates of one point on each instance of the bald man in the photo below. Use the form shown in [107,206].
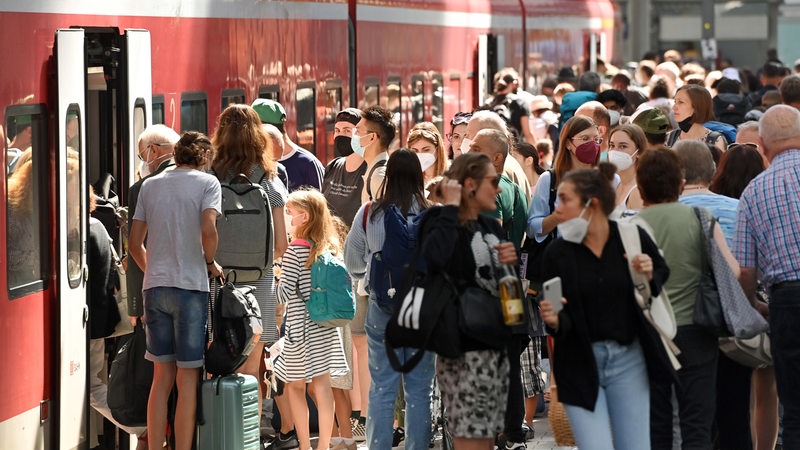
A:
[766,243]
[483,120]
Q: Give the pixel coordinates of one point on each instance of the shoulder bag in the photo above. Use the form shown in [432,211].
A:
[656,308]
[741,319]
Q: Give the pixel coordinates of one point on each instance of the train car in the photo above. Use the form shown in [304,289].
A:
[82,79]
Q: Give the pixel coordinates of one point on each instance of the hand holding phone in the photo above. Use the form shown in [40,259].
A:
[552,293]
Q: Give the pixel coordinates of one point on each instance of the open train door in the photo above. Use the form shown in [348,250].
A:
[71,313]
[139,93]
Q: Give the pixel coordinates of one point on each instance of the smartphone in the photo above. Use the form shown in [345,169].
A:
[552,292]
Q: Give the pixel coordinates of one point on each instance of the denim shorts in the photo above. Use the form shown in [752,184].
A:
[175,323]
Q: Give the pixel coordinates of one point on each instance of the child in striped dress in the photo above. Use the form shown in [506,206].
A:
[311,353]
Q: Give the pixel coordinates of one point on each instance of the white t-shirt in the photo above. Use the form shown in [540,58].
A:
[172,205]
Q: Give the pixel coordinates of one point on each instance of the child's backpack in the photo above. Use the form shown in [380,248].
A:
[389,267]
[235,329]
[244,229]
[331,303]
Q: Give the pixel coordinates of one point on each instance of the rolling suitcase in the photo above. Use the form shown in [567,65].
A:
[228,418]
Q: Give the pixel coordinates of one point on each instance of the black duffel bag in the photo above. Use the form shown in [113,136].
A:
[129,380]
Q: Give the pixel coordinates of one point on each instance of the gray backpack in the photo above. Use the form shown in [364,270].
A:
[245,229]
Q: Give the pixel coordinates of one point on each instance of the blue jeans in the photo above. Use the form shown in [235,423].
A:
[418,386]
[175,322]
[784,321]
[621,416]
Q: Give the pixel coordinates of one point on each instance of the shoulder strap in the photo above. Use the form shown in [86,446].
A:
[380,163]
[365,216]
[672,137]
[629,233]
[551,201]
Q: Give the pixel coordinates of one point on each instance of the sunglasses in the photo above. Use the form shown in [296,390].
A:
[495,180]
[746,144]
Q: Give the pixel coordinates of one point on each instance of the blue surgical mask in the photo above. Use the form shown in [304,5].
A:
[355,144]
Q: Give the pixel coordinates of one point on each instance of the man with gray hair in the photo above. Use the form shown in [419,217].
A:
[766,246]
[155,146]
[483,120]
[512,209]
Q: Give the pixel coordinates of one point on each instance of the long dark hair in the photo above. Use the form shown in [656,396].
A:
[403,184]
[738,166]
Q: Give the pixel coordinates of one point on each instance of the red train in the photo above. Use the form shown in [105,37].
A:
[82,79]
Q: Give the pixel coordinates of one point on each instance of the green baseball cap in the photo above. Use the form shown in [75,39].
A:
[269,111]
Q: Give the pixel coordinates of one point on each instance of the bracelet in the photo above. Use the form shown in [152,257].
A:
[210,263]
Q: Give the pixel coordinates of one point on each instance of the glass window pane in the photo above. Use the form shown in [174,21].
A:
[437,103]
[370,95]
[306,118]
[393,104]
[232,97]
[333,104]
[139,118]
[74,195]
[158,109]
[271,92]
[417,99]
[194,112]
[26,156]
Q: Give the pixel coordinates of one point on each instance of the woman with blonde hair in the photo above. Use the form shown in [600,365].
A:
[424,140]
[311,353]
[243,147]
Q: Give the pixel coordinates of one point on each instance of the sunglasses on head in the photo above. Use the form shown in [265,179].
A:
[746,144]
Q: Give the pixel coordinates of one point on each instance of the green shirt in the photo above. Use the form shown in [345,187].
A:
[512,210]
[677,232]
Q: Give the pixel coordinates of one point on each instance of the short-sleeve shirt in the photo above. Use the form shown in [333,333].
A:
[172,204]
[342,189]
[721,207]
[512,210]
[302,169]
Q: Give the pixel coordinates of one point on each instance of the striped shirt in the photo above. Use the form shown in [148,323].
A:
[309,349]
[767,235]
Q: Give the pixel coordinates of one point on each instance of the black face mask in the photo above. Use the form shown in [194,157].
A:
[342,145]
[686,124]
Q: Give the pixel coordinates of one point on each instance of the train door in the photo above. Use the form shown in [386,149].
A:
[71,312]
[139,95]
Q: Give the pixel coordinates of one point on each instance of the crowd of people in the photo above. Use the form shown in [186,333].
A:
[539,182]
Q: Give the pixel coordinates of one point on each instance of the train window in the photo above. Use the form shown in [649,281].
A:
[139,117]
[371,93]
[158,109]
[194,112]
[333,104]
[271,91]
[305,102]
[393,102]
[26,190]
[232,97]
[74,195]
[437,103]
[417,99]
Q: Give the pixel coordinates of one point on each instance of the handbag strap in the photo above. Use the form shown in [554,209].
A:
[631,241]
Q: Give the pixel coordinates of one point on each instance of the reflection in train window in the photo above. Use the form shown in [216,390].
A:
[73,195]
[232,97]
[417,99]
[333,104]
[371,93]
[139,119]
[437,103]
[194,112]
[271,92]
[26,190]
[158,109]
[393,105]
[306,115]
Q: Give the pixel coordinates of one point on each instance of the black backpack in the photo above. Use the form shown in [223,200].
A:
[235,329]
[731,108]
[129,380]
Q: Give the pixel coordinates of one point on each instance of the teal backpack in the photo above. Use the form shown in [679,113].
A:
[331,303]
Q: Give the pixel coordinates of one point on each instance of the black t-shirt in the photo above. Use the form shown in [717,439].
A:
[517,108]
[342,189]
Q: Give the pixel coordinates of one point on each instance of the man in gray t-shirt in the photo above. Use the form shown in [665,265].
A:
[177,212]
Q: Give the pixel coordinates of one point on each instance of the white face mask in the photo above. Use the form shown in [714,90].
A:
[465,145]
[426,160]
[289,227]
[621,159]
[575,229]
[144,169]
